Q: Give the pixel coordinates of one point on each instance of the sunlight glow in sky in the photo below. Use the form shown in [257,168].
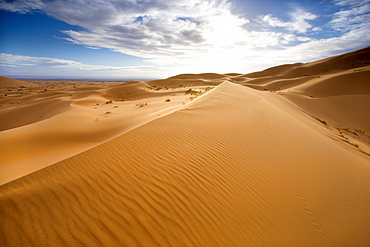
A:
[161,38]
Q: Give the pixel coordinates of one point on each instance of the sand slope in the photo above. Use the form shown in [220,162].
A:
[45,125]
[9,82]
[334,90]
[222,166]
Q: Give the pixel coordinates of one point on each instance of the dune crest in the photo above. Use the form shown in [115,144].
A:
[194,160]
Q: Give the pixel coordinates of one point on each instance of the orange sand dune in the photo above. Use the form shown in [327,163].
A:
[274,71]
[199,160]
[8,82]
[206,76]
[352,60]
[47,126]
[287,76]
[342,83]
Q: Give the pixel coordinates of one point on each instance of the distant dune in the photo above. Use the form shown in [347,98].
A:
[206,76]
[8,82]
[279,157]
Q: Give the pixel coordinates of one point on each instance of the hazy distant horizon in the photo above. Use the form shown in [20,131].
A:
[78,78]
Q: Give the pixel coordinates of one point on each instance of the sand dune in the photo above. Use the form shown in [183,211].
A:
[289,75]
[50,125]
[207,76]
[192,160]
[9,82]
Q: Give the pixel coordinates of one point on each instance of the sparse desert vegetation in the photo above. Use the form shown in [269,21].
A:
[322,121]
[141,104]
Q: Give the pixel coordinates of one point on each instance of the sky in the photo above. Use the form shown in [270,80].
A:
[162,38]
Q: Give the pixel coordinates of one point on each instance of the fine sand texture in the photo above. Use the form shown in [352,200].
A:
[272,158]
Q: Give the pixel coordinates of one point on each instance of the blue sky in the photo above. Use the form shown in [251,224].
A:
[161,38]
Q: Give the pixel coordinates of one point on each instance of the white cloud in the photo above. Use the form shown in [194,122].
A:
[355,14]
[163,28]
[321,48]
[299,21]
[350,2]
[16,60]
[27,64]
[21,6]
[274,21]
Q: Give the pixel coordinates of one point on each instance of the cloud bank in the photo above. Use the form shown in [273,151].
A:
[60,67]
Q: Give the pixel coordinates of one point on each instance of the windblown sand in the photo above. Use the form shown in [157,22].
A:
[272,158]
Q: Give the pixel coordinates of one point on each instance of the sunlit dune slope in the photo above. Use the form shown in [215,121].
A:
[9,82]
[44,125]
[206,76]
[287,76]
[334,90]
[352,60]
[235,167]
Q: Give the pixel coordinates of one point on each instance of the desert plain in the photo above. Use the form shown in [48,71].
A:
[279,157]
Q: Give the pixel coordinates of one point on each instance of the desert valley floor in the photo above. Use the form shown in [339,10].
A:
[279,157]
